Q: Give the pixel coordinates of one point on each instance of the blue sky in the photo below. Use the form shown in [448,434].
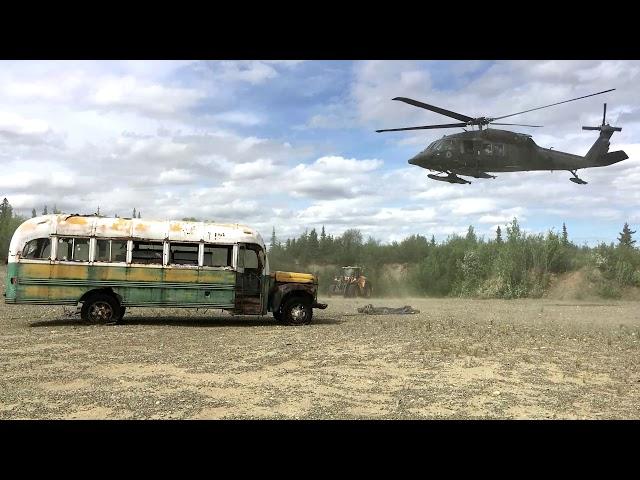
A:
[292,144]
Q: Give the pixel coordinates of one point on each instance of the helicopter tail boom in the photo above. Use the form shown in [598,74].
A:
[599,155]
[612,157]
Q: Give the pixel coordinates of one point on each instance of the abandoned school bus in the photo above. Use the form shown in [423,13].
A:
[109,264]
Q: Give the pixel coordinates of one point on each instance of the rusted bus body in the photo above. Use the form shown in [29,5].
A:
[63,259]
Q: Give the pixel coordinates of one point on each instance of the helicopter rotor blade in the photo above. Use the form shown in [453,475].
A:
[516,124]
[558,103]
[425,127]
[441,111]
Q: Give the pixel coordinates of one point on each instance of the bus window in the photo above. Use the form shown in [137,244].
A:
[111,250]
[80,249]
[251,260]
[39,248]
[183,254]
[73,249]
[103,250]
[218,256]
[65,249]
[147,252]
[118,251]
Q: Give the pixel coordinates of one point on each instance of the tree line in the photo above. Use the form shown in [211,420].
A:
[511,264]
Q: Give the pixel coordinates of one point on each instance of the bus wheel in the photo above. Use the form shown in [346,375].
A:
[297,311]
[277,314]
[122,311]
[101,308]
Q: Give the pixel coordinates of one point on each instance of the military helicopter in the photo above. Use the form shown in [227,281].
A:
[475,153]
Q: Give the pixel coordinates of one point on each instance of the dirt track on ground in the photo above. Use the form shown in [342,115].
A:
[456,359]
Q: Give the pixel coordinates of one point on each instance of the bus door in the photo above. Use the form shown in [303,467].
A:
[249,279]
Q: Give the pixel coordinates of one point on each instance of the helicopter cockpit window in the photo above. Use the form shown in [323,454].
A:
[498,149]
[447,145]
[486,148]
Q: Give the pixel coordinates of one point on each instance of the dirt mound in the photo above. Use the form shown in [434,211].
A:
[585,284]
[572,286]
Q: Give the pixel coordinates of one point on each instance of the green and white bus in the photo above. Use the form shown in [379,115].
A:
[109,264]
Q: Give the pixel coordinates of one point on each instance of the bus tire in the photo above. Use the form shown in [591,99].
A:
[101,308]
[277,314]
[297,311]
[122,312]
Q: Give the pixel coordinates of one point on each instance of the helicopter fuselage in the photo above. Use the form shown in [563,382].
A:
[491,150]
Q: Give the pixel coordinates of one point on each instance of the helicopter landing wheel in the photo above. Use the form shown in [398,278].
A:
[576,179]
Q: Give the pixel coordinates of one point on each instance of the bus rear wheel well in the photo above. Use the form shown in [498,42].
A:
[103,291]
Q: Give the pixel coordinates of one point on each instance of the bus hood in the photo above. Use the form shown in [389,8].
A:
[294,277]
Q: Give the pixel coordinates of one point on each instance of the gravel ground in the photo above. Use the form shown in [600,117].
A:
[456,359]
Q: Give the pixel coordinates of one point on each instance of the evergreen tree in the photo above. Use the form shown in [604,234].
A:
[274,240]
[513,231]
[55,209]
[139,215]
[471,235]
[498,235]
[433,240]
[44,212]
[34,213]
[134,213]
[5,211]
[323,246]
[313,245]
[565,236]
[625,239]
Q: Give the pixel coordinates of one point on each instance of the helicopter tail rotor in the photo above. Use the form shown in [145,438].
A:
[605,127]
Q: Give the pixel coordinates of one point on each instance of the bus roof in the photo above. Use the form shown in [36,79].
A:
[135,228]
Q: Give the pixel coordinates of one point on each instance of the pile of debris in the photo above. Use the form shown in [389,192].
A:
[371,310]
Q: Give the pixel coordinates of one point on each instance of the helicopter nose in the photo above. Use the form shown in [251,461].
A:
[417,160]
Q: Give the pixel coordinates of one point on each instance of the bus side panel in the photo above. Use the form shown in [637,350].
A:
[67,283]
[225,291]
[10,289]
[137,277]
[175,280]
[33,279]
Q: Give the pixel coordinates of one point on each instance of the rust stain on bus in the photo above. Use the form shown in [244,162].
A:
[120,225]
[27,227]
[70,271]
[187,275]
[76,220]
[144,274]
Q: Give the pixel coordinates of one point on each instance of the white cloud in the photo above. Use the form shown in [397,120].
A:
[18,125]
[166,138]
[175,176]
[129,93]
